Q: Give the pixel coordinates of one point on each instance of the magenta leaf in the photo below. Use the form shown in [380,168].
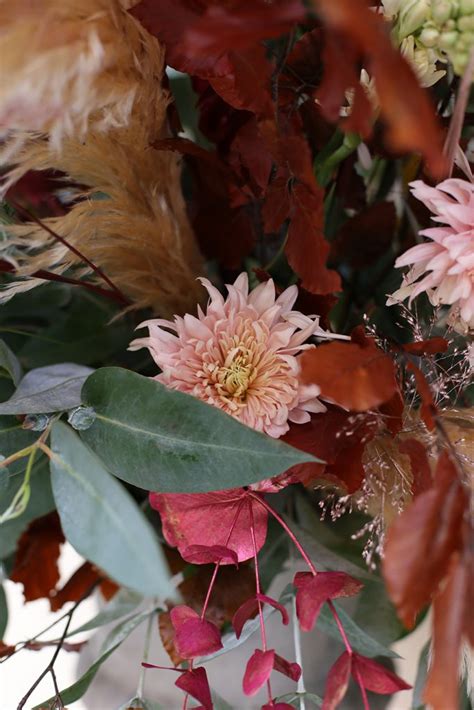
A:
[376,677]
[249,608]
[291,670]
[246,611]
[278,706]
[196,684]
[337,682]
[210,554]
[209,518]
[197,637]
[258,671]
[272,602]
[314,590]
[181,613]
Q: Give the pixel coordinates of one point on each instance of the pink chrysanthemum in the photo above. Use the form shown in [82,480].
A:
[241,355]
[444,266]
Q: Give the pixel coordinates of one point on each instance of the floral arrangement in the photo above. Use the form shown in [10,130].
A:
[253,188]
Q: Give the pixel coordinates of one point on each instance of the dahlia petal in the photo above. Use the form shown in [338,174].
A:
[421,252]
[263,297]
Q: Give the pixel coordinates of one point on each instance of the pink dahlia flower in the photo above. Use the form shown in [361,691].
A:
[241,355]
[444,266]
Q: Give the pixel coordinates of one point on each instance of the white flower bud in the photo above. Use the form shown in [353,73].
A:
[429,37]
[413,13]
[441,10]
[466,7]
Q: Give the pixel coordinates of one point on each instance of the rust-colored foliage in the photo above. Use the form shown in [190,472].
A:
[79,584]
[355,377]
[36,560]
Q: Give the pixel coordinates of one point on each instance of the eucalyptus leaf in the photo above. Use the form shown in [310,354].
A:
[160,439]
[10,363]
[122,604]
[48,389]
[41,502]
[421,675]
[112,642]
[100,518]
[3,612]
[295,698]
[13,438]
[358,638]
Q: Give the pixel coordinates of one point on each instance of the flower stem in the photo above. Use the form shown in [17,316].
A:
[298,654]
[340,627]
[363,691]
[146,651]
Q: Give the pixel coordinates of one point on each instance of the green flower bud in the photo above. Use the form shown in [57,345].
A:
[448,40]
[459,62]
[429,37]
[466,7]
[441,10]
[413,14]
[466,23]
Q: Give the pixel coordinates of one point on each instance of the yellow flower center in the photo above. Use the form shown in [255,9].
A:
[235,375]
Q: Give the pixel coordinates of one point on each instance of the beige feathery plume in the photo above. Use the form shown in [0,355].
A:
[80,92]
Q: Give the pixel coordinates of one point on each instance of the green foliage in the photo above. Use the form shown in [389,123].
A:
[101,520]
[160,439]
[3,612]
[54,388]
[10,363]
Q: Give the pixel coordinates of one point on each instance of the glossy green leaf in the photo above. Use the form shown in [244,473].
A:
[112,642]
[10,363]
[48,389]
[160,439]
[100,518]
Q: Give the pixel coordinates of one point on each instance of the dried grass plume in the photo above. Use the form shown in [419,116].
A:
[81,92]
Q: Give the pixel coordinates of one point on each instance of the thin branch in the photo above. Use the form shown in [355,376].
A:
[50,667]
[96,269]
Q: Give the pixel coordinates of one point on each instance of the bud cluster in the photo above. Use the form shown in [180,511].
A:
[434,30]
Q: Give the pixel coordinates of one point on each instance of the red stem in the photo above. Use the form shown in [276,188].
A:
[362,689]
[285,527]
[258,591]
[340,627]
[80,255]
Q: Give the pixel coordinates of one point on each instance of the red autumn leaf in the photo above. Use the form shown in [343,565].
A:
[302,70]
[451,607]
[314,590]
[258,671]
[208,519]
[249,608]
[194,636]
[306,249]
[36,560]
[276,207]
[205,554]
[246,85]
[238,25]
[78,585]
[376,677]
[291,670]
[420,466]
[339,57]
[250,159]
[421,541]
[428,407]
[405,107]
[336,437]
[392,411]
[168,20]
[195,683]
[426,347]
[362,239]
[337,682]
[357,378]
[6,650]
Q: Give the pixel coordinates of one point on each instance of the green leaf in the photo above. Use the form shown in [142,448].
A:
[140,704]
[100,518]
[13,438]
[48,389]
[294,699]
[359,639]
[112,642]
[41,502]
[376,614]
[421,675]
[10,363]
[3,612]
[160,439]
[122,604]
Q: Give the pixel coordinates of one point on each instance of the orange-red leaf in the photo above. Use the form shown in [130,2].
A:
[357,378]
[36,560]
